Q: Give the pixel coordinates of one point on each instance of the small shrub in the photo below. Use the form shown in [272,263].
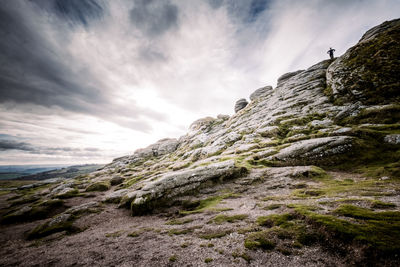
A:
[173,258]
[208,260]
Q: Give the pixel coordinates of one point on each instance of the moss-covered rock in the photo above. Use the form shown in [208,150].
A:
[369,71]
[34,212]
[60,223]
[99,186]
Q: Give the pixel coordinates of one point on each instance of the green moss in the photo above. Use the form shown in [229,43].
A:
[382,205]
[362,213]
[132,181]
[69,194]
[99,186]
[243,255]
[173,258]
[208,260]
[25,200]
[273,207]
[377,170]
[146,206]
[287,226]
[261,240]
[372,68]
[4,192]
[134,234]
[246,230]
[329,187]
[14,183]
[220,219]
[179,221]
[328,91]
[268,198]
[207,204]
[180,231]
[47,229]
[276,220]
[285,126]
[215,234]
[114,234]
[38,211]
[378,230]
[384,115]
[307,193]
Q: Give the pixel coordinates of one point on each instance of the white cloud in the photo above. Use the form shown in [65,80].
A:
[153,85]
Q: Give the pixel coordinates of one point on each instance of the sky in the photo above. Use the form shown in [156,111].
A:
[86,81]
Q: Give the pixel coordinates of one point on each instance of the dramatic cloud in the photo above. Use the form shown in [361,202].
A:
[154,17]
[89,80]
[12,145]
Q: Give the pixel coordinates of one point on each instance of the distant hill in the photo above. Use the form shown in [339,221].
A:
[16,171]
[66,172]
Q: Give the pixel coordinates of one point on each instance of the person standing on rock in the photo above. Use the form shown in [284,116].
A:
[330,52]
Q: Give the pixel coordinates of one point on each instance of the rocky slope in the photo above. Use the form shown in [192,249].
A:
[306,173]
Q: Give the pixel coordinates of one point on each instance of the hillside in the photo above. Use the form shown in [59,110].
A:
[305,174]
[16,171]
[66,172]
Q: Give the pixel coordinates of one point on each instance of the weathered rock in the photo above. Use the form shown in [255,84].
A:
[347,111]
[321,123]
[116,180]
[161,147]
[282,126]
[62,222]
[61,187]
[261,92]
[22,211]
[294,172]
[40,183]
[176,183]
[392,139]
[98,186]
[240,104]
[314,150]
[116,196]
[85,207]
[268,131]
[368,72]
[223,117]
[67,192]
[287,76]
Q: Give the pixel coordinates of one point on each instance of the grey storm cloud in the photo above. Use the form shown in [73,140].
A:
[33,70]
[154,17]
[6,144]
[246,11]
[74,11]
[14,145]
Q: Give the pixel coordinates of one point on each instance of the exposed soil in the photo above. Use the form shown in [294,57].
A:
[105,241]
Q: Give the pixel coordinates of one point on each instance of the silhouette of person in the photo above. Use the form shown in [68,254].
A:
[330,52]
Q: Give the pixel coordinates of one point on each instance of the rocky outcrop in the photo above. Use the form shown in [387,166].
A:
[240,104]
[162,147]
[368,72]
[288,75]
[392,139]
[300,122]
[317,150]
[262,92]
[319,116]
[177,183]
[314,161]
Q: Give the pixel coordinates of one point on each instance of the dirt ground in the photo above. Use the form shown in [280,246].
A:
[105,237]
